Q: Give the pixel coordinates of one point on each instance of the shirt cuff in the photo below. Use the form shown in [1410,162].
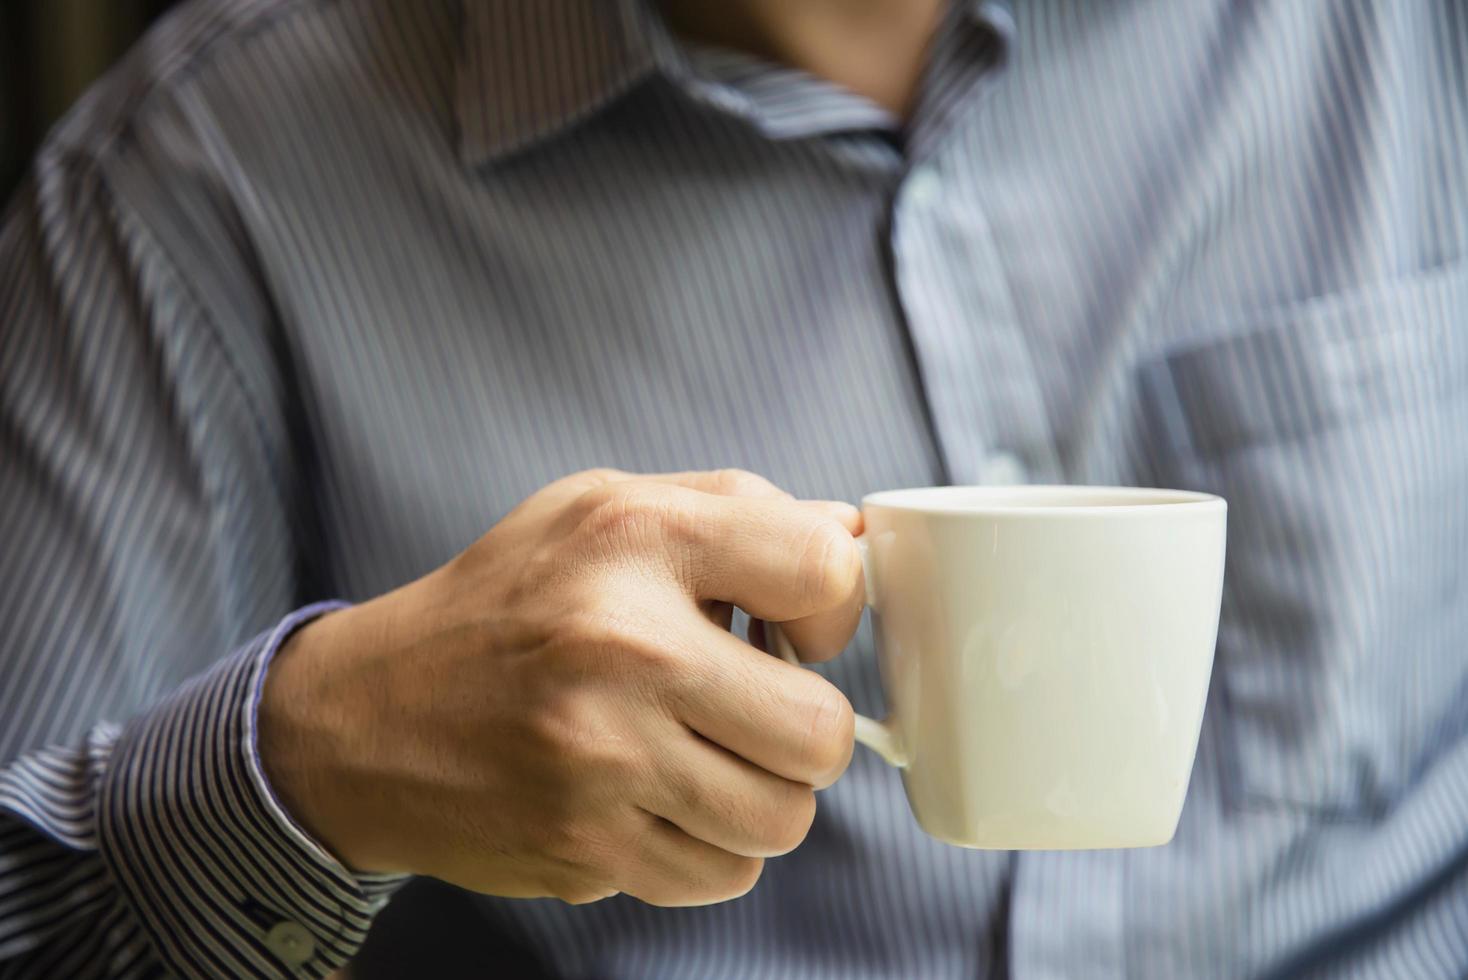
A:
[223,881]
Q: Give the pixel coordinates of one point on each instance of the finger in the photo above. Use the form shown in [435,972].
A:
[823,636]
[718,797]
[668,867]
[786,720]
[776,559]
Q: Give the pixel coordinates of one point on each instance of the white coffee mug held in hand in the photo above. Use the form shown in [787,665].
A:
[1045,653]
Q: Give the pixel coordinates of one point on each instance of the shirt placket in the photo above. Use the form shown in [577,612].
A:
[980,378]
[986,395]
[979,375]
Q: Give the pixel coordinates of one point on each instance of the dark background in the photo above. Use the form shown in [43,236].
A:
[50,51]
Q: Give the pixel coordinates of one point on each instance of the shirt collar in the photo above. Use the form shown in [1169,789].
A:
[530,69]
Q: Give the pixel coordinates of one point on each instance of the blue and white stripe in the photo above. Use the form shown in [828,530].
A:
[308,293]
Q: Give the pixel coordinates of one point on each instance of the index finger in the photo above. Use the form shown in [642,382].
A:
[776,559]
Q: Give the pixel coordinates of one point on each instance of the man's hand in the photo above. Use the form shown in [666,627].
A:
[561,710]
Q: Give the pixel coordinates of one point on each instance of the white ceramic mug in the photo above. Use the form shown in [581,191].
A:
[1045,653]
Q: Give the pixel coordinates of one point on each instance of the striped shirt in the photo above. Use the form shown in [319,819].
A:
[307,293]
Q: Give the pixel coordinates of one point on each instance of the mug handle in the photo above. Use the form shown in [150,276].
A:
[879,736]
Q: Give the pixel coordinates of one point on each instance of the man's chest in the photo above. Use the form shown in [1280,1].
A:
[1215,280]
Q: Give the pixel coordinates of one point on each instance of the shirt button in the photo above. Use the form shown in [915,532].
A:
[292,942]
[923,186]
[1002,469]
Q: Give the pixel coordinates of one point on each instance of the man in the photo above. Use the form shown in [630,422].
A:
[353,301]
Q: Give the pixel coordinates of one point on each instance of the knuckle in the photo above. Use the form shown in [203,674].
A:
[619,494]
[613,508]
[829,565]
[602,474]
[591,487]
[632,511]
[735,482]
[589,511]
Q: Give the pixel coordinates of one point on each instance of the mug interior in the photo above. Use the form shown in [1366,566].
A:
[1018,499]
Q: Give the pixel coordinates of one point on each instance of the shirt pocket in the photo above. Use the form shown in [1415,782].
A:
[1338,432]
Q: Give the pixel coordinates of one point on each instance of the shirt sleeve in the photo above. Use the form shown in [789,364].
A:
[151,509]
[162,844]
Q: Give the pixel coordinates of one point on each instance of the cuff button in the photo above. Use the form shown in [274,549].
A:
[292,942]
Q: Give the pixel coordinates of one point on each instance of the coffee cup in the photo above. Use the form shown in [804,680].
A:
[1045,653]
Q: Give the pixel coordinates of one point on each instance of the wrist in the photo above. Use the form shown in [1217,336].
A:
[312,727]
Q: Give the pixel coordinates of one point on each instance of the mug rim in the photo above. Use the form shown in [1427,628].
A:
[937,500]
